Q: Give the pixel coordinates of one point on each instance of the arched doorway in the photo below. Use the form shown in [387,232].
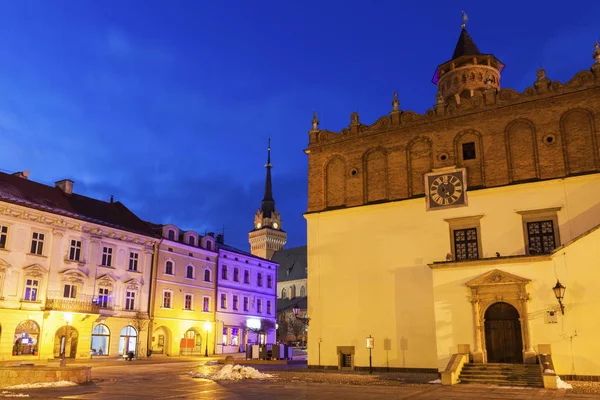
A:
[503,341]
[25,341]
[65,342]
[161,341]
[128,340]
[191,343]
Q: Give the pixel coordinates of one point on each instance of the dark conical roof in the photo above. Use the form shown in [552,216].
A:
[268,203]
[465,46]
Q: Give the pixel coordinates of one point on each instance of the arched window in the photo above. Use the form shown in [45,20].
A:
[169,268]
[283,293]
[190,272]
[302,291]
[26,338]
[208,245]
[293,291]
[192,343]
[207,275]
[171,234]
[100,340]
[192,241]
[128,340]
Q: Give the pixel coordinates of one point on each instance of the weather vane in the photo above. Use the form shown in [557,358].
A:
[464,19]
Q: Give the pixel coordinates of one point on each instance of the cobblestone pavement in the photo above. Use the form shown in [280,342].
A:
[172,381]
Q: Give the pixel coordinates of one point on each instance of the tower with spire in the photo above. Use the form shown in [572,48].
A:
[267,236]
[468,72]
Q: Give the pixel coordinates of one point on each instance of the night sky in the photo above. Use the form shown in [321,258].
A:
[168,104]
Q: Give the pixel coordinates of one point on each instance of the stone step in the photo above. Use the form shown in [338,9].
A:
[503,382]
[508,375]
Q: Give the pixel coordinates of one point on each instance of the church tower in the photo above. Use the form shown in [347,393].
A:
[267,237]
[468,73]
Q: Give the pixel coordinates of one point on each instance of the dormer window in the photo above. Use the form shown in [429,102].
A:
[171,234]
[209,246]
[192,241]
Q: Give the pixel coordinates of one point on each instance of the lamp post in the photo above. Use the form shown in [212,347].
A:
[305,320]
[207,329]
[370,346]
[68,320]
[559,292]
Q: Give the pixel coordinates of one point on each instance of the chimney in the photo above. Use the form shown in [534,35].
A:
[66,185]
[221,238]
[24,174]
[211,234]
[112,199]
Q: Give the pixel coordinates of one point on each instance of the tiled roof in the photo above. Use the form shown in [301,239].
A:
[242,252]
[292,264]
[289,304]
[27,193]
[465,46]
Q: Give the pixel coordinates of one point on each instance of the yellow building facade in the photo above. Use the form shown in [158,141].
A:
[446,232]
[183,300]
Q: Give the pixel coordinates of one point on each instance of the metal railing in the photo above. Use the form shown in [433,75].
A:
[55,300]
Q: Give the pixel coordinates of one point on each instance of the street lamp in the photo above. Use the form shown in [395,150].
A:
[68,319]
[305,320]
[559,292]
[207,326]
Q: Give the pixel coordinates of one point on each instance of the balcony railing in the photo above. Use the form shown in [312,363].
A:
[80,303]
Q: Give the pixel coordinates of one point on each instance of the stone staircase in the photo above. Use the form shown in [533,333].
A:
[502,374]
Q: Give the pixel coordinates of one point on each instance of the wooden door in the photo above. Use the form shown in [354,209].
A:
[503,340]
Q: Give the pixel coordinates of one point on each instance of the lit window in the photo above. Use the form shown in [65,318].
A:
[37,243]
[31,289]
[167,299]
[75,250]
[133,261]
[235,341]
[103,294]
[188,302]
[107,253]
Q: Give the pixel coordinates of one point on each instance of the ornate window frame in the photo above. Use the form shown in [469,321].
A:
[542,214]
[468,222]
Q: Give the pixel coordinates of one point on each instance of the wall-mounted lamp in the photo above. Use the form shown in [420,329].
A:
[305,320]
[559,292]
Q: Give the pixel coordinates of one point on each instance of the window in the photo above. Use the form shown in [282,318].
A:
[206,304]
[171,234]
[302,291]
[167,299]
[169,268]
[259,279]
[223,300]
[259,305]
[70,291]
[540,235]
[235,341]
[207,275]
[235,302]
[103,298]
[236,274]
[192,241]
[3,236]
[37,243]
[268,307]
[246,308]
[100,340]
[75,250]
[189,272]
[283,293]
[465,244]
[208,246]
[133,261]
[246,276]
[541,230]
[130,301]
[224,335]
[224,272]
[269,281]
[31,289]
[107,253]
[189,300]
[26,337]
[468,150]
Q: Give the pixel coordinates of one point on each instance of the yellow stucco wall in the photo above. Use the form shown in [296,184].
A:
[369,274]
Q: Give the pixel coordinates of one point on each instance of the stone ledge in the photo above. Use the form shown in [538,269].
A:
[23,374]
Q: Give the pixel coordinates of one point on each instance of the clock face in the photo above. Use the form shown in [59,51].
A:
[258,225]
[446,190]
[275,225]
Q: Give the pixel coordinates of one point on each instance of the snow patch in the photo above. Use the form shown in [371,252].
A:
[6,393]
[560,384]
[40,385]
[211,363]
[549,371]
[233,373]
[436,381]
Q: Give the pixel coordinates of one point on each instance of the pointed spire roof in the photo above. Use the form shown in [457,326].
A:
[465,46]
[268,203]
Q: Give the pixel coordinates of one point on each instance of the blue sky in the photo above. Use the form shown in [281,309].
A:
[168,104]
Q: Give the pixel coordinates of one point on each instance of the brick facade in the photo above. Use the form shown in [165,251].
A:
[549,131]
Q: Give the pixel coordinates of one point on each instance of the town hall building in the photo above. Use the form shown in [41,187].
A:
[464,235]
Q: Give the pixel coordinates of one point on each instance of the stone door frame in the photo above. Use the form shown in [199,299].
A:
[499,286]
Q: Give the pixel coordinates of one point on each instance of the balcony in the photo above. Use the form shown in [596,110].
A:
[81,303]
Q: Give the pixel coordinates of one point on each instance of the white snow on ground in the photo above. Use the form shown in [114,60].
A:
[211,363]
[549,371]
[436,381]
[560,384]
[6,393]
[233,373]
[40,385]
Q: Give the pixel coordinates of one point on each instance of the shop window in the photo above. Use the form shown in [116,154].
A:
[100,340]
[128,340]
[25,341]
[235,339]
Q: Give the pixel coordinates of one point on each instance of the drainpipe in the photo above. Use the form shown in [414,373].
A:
[152,295]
